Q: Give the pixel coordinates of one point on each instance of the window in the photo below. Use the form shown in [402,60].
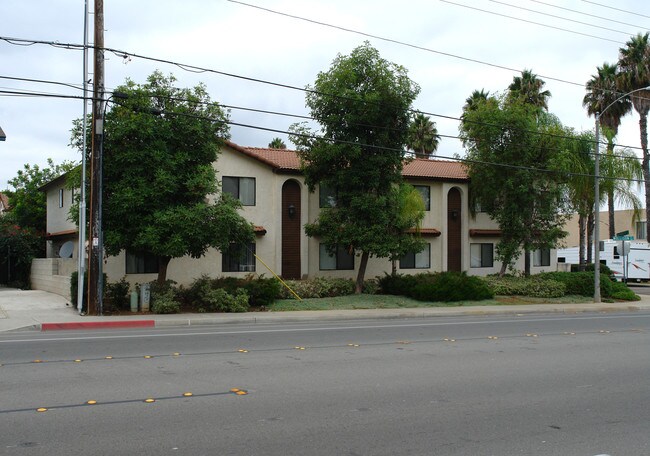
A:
[343,260]
[241,188]
[425,191]
[239,258]
[60,197]
[542,257]
[326,196]
[141,263]
[641,230]
[482,255]
[419,260]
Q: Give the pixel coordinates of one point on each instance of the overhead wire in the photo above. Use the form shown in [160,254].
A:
[559,17]
[532,22]
[590,15]
[616,9]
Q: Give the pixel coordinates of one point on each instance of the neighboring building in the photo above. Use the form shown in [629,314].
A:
[275,199]
[58,228]
[4,204]
[624,220]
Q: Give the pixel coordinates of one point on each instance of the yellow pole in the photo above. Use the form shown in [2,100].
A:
[277,277]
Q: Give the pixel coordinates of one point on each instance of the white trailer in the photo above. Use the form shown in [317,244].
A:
[628,260]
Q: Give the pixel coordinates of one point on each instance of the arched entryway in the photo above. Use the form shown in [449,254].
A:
[291,230]
[454,225]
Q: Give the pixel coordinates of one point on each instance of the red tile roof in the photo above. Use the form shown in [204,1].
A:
[284,160]
[425,231]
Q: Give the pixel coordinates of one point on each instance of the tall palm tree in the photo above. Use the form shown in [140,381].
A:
[423,135]
[602,97]
[634,65]
[277,143]
[475,99]
[529,89]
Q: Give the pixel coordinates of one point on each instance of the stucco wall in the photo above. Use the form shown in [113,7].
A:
[52,275]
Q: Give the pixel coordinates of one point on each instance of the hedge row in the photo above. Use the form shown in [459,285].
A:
[437,287]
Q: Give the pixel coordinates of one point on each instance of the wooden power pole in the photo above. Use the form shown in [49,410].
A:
[95,269]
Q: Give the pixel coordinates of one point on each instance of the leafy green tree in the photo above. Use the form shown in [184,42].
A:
[475,99]
[160,191]
[634,65]
[18,247]
[529,205]
[277,143]
[362,104]
[602,97]
[28,202]
[423,135]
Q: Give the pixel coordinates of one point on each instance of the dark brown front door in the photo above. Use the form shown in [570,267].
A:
[291,230]
[454,241]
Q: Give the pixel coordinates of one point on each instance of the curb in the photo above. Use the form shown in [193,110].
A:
[98,325]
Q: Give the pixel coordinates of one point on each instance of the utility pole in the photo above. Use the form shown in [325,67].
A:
[95,269]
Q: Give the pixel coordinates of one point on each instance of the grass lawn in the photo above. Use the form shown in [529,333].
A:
[366,301]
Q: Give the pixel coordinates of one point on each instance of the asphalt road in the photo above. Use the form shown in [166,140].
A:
[520,385]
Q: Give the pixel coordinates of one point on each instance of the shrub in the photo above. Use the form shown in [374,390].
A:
[320,287]
[164,302]
[622,291]
[580,283]
[219,300]
[261,291]
[526,286]
[370,286]
[397,284]
[450,287]
[116,296]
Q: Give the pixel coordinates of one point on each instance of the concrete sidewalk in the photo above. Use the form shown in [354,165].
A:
[39,310]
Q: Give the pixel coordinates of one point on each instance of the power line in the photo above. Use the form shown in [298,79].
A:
[588,14]
[617,9]
[43,81]
[532,22]
[560,17]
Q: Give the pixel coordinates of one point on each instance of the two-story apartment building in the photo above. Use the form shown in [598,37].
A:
[275,199]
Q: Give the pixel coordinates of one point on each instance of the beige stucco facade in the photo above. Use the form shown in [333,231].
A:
[266,215]
[624,220]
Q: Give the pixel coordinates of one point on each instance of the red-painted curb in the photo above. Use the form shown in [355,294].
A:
[98,325]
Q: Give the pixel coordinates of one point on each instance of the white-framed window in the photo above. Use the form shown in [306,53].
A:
[60,197]
[141,263]
[241,188]
[239,258]
[482,255]
[419,260]
[342,260]
[542,257]
[326,196]
[425,191]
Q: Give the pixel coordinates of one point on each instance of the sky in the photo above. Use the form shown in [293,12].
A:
[449,49]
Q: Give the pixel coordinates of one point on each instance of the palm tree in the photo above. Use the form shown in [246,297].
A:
[277,143]
[475,99]
[528,89]
[602,97]
[634,65]
[423,135]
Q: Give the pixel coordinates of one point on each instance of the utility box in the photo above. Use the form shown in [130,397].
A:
[145,297]
[134,301]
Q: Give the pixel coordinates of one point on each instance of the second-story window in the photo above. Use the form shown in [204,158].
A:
[241,188]
[425,191]
[60,197]
[326,196]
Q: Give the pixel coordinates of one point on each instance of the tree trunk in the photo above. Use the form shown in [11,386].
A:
[163,262]
[581,245]
[526,262]
[362,272]
[590,238]
[643,127]
[610,207]
[502,271]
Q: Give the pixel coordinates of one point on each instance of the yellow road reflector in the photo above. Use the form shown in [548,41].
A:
[570,333]
[531,335]
[77,360]
[176,354]
[234,390]
[91,402]
[299,348]
[493,337]
[241,350]
[446,339]
[148,356]
[41,409]
[108,357]
[241,393]
[149,400]
[603,331]
[37,361]
[188,394]
[353,345]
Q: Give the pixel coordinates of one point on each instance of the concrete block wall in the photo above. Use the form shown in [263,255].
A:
[47,275]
